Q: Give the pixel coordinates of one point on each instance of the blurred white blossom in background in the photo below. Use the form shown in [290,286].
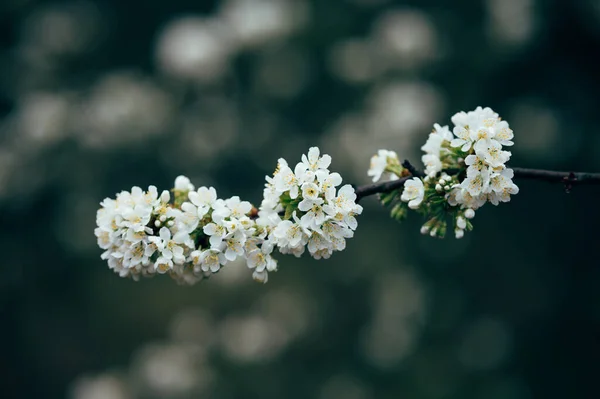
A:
[170,370]
[252,338]
[194,48]
[123,108]
[405,39]
[254,23]
[43,118]
[512,22]
[101,386]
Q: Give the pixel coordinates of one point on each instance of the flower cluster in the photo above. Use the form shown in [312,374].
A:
[189,238]
[304,208]
[191,234]
[481,135]
[464,169]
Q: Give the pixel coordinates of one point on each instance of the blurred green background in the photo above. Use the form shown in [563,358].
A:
[98,96]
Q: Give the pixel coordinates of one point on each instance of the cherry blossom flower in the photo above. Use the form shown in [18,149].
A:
[413,193]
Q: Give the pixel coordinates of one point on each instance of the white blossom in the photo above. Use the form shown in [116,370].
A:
[436,138]
[413,192]
[212,260]
[328,181]
[169,247]
[463,138]
[290,234]
[504,134]
[502,180]
[433,164]
[234,245]
[314,161]
[310,192]
[217,232]
[476,183]
[492,153]
[203,199]
[237,207]
[380,162]
[286,180]
[314,215]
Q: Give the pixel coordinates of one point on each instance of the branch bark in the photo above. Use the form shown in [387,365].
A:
[569,179]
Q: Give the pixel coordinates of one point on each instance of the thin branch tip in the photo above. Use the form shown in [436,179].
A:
[413,171]
[569,179]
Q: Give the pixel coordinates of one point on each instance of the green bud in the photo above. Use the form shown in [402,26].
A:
[399,211]
[387,198]
[442,227]
[394,168]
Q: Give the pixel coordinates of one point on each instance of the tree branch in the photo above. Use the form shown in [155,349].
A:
[557,177]
[413,171]
[567,178]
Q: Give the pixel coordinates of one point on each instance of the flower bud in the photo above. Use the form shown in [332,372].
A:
[399,211]
[469,213]
[461,223]
[459,233]
[424,229]
[387,198]
[157,223]
[447,187]
[183,183]
[438,188]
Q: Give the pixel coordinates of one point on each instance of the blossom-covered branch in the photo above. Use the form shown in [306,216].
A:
[191,234]
[567,178]
[465,168]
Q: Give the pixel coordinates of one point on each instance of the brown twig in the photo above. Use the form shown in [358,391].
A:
[569,179]
[413,171]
